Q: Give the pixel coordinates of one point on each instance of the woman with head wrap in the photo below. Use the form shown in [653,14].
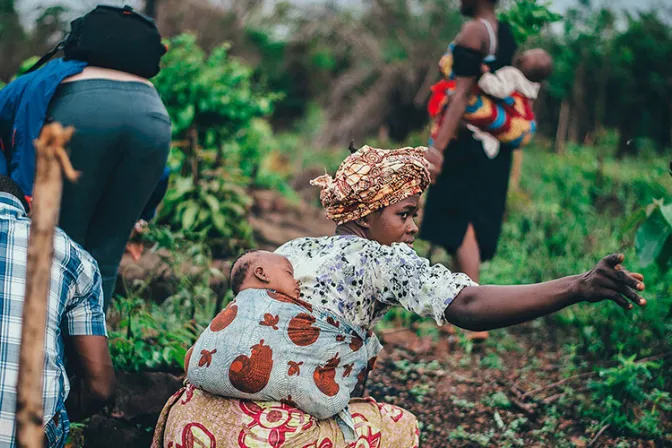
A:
[358,274]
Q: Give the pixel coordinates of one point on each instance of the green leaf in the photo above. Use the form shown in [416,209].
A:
[219,221]
[234,208]
[212,202]
[634,221]
[189,216]
[666,210]
[651,237]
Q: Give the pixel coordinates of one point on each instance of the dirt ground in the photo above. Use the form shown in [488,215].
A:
[510,391]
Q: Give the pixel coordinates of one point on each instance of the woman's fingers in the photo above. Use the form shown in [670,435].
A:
[624,288]
[632,295]
[619,299]
[621,275]
[614,259]
[629,284]
[635,275]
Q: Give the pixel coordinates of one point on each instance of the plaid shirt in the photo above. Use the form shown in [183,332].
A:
[75,308]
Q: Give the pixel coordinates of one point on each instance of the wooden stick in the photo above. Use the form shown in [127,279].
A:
[598,435]
[559,383]
[51,159]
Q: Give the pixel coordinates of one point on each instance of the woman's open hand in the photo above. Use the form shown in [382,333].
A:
[609,280]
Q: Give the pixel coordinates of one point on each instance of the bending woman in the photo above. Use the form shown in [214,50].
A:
[362,271]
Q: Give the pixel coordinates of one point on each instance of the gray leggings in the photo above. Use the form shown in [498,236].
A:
[121,143]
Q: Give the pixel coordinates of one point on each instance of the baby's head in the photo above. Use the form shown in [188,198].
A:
[259,269]
[535,64]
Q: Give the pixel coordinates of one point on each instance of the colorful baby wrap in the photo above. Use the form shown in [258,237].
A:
[510,120]
[266,346]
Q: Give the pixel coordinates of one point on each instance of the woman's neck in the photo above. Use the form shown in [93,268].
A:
[487,13]
[350,228]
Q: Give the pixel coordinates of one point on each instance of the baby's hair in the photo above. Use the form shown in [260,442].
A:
[239,270]
[539,68]
[351,147]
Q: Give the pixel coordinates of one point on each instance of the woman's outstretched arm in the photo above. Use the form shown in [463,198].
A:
[479,308]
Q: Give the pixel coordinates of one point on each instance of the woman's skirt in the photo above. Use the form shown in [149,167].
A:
[472,189]
[195,418]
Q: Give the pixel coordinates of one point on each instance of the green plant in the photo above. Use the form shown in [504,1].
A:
[628,397]
[76,435]
[141,343]
[497,400]
[492,361]
[464,404]
[215,207]
[527,18]
[189,260]
[420,391]
[209,92]
[479,439]
[216,110]
[153,337]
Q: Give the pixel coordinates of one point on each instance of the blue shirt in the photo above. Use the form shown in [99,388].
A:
[23,110]
[74,308]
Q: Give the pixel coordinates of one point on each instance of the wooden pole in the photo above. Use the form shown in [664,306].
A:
[51,159]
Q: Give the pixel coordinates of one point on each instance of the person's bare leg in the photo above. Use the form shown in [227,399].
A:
[468,261]
[468,255]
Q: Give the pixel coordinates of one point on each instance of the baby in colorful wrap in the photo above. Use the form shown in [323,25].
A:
[269,345]
[500,109]
[517,87]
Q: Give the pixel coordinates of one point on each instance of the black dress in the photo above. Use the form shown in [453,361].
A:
[472,188]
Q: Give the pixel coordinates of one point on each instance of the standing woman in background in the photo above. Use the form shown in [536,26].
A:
[465,206]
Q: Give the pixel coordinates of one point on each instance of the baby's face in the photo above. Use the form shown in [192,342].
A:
[280,274]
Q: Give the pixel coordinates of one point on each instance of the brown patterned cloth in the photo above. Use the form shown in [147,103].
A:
[195,418]
[371,179]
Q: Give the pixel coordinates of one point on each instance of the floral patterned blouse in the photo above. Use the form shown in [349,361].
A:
[361,280]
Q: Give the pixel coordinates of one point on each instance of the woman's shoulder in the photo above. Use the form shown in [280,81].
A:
[346,248]
[473,34]
[325,242]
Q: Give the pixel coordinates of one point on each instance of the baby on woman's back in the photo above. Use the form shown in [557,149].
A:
[510,120]
[269,345]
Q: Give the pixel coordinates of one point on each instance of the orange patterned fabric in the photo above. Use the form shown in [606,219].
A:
[371,179]
[270,347]
[194,418]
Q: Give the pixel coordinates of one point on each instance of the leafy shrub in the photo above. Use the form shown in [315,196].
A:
[214,208]
[527,18]
[216,110]
[628,397]
[213,93]
[141,343]
[573,215]
[144,336]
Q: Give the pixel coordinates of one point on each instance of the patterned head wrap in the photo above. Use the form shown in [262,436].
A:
[371,179]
